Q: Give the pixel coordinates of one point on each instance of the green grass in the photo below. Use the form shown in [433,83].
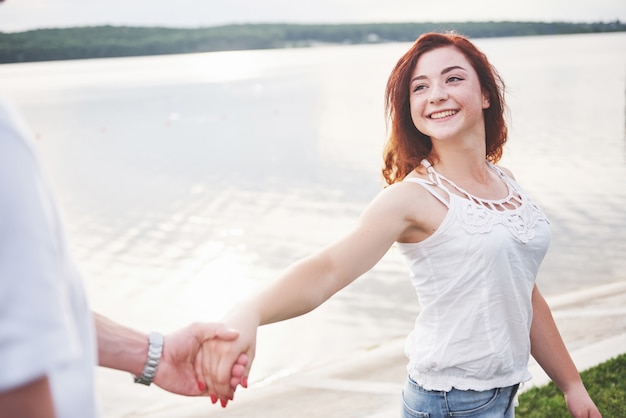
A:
[606,384]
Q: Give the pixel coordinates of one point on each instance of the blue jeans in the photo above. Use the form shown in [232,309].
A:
[418,402]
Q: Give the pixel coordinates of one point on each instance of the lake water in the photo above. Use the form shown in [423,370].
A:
[189,181]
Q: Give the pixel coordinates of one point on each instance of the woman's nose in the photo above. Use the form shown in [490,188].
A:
[438,93]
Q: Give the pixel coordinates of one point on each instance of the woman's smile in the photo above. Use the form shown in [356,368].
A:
[443,114]
[445,88]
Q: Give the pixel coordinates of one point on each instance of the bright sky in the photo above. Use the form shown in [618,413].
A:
[19,15]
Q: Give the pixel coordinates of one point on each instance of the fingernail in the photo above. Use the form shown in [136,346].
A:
[213,399]
[244,382]
[224,402]
[201,386]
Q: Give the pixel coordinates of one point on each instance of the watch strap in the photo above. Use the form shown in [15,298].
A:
[155,350]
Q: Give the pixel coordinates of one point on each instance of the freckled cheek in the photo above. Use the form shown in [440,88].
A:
[416,114]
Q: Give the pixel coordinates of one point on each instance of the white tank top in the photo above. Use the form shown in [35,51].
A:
[474,278]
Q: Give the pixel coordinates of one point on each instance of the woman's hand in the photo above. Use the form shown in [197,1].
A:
[219,363]
[176,372]
[579,403]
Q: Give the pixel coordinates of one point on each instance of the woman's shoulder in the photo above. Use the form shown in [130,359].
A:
[407,186]
[504,170]
[417,202]
[400,194]
[416,194]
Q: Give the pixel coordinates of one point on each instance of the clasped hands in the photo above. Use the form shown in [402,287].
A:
[204,359]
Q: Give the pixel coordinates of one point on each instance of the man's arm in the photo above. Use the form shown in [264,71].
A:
[31,400]
[126,349]
[120,347]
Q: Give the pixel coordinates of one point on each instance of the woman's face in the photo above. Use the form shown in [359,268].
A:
[446,98]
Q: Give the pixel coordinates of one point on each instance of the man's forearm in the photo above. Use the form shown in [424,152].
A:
[120,347]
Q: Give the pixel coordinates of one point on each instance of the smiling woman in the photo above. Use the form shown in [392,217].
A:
[409,143]
[267,168]
[473,240]
[449,101]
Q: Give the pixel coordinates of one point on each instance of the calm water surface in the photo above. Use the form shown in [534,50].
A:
[190,181]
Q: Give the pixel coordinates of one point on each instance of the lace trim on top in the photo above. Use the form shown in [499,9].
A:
[517,212]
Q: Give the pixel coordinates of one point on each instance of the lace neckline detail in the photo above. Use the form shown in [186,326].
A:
[512,201]
[516,212]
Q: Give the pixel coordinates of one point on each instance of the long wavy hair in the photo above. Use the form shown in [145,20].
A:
[406,146]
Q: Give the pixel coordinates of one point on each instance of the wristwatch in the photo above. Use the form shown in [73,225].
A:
[155,350]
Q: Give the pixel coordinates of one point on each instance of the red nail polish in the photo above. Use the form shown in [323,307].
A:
[201,386]
[213,399]
[224,403]
[244,382]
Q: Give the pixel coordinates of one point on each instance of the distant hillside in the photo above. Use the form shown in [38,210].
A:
[119,41]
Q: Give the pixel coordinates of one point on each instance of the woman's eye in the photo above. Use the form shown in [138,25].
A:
[454,78]
[418,87]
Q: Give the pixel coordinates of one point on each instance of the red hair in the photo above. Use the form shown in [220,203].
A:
[407,146]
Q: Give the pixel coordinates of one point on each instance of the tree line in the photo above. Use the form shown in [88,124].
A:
[124,41]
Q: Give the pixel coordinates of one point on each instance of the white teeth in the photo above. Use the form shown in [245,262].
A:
[442,114]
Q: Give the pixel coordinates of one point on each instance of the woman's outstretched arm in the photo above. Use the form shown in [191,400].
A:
[311,281]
